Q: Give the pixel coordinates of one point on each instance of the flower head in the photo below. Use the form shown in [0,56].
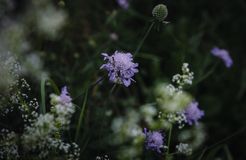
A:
[65,97]
[184,148]
[120,67]
[160,12]
[123,4]
[154,140]
[193,113]
[224,55]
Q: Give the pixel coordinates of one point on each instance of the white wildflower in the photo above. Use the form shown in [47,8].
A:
[185,78]
[184,148]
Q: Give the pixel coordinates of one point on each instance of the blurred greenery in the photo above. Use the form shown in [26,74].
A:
[73,57]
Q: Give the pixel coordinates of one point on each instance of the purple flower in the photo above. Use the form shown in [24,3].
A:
[123,4]
[224,55]
[153,140]
[64,97]
[120,67]
[193,113]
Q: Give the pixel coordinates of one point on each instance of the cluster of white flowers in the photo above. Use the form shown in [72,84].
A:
[50,20]
[195,136]
[9,71]
[43,135]
[126,127]
[185,78]
[177,118]
[16,90]
[105,157]
[184,148]
[172,100]
[62,110]
[149,112]
[169,100]
[8,145]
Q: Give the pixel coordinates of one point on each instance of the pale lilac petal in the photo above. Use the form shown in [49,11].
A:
[121,67]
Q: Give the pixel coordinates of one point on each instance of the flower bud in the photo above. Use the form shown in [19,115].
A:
[160,12]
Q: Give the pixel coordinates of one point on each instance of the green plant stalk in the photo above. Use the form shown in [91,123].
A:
[42,88]
[207,74]
[81,116]
[112,89]
[54,86]
[228,153]
[142,41]
[169,140]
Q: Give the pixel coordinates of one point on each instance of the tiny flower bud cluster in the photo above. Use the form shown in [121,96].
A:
[8,145]
[177,118]
[184,148]
[185,78]
[62,107]
[105,157]
[44,134]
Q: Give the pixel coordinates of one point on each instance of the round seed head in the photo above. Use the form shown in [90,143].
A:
[160,12]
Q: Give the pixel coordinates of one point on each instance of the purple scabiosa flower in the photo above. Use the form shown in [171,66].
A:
[153,140]
[123,4]
[64,96]
[120,67]
[224,55]
[193,113]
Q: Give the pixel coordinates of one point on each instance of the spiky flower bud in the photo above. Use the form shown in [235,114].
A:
[160,12]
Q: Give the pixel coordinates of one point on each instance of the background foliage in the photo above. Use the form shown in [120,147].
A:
[72,57]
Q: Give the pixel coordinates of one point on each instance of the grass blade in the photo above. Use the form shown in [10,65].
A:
[81,116]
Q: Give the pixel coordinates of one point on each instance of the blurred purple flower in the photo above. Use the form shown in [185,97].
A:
[224,55]
[153,140]
[123,4]
[120,67]
[193,113]
[65,98]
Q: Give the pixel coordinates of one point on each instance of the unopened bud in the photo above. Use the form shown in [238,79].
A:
[160,12]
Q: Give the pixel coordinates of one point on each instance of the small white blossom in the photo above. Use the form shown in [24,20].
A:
[185,78]
[184,148]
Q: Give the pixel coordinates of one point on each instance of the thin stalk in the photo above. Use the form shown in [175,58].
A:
[112,89]
[207,74]
[221,142]
[169,138]
[81,116]
[54,86]
[228,153]
[142,41]
[42,88]
[90,87]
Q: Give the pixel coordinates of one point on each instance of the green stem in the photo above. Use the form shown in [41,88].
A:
[169,138]
[207,74]
[142,41]
[42,88]
[54,86]
[228,153]
[112,89]
[221,142]
[81,116]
